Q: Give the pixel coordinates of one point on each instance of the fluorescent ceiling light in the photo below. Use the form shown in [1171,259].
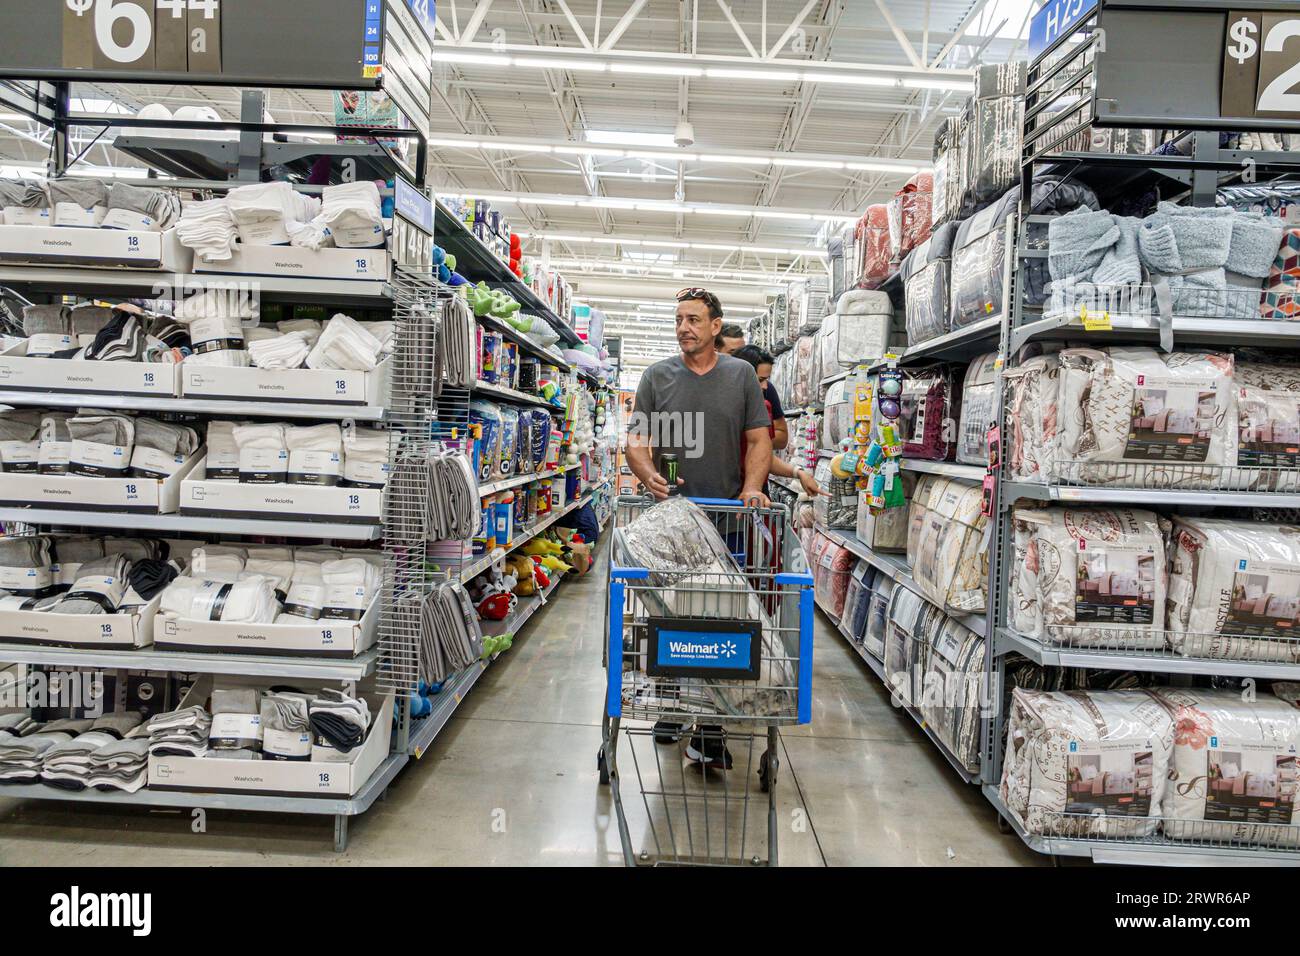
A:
[523,147]
[481,59]
[579,149]
[727,73]
[808,163]
[927,83]
[674,244]
[736,160]
[654,69]
[556,63]
[630,139]
[849,79]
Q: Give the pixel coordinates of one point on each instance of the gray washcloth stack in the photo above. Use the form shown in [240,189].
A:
[86,193]
[161,205]
[54,427]
[135,549]
[67,765]
[339,720]
[180,733]
[123,765]
[286,712]
[115,430]
[20,424]
[165,437]
[237,701]
[118,725]
[89,319]
[99,589]
[17,724]
[25,551]
[47,320]
[21,757]
[27,193]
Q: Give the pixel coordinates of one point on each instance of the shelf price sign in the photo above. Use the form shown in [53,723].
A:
[1261,65]
[174,36]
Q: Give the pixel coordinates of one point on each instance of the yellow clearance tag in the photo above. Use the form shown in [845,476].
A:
[862,402]
[1093,322]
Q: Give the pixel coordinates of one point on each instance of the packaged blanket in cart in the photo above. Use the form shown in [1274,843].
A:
[1268,426]
[1087,763]
[1089,577]
[1031,395]
[1234,589]
[926,282]
[1134,415]
[1233,777]
[863,325]
[979,257]
[925,422]
[979,395]
[946,544]
[874,260]
[887,531]
[873,636]
[953,688]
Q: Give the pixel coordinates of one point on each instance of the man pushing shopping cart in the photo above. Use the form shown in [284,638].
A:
[705,631]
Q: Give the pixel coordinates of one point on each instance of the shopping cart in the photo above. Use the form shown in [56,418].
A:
[726,654]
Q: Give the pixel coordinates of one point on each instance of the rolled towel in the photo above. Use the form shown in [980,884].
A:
[223,452]
[70,553]
[99,588]
[26,565]
[20,424]
[249,600]
[344,344]
[165,437]
[339,720]
[308,327]
[20,447]
[25,202]
[282,351]
[135,549]
[275,564]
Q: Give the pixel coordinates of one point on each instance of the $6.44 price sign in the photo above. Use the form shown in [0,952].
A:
[173,36]
[1261,65]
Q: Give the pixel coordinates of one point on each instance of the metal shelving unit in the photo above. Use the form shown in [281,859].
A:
[243,665]
[197,406]
[190,524]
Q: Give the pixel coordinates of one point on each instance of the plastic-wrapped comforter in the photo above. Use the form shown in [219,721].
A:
[952,689]
[1089,577]
[979,395]
[1234,590]
[1031,417]
[946,546]
[1087,764]
[1233,775]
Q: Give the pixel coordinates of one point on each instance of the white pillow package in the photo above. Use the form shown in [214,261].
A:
[1090,577]
[1122,407]
[1234,774]
[1087,763]
[1234,590]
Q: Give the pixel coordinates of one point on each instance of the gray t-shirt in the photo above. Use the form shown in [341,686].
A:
[702,419]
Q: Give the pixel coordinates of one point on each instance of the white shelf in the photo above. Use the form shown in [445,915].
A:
[513,395]
[1118,494]
[504,484]
[948,469]
[175,523]
[896,567]
[122,280]
[966,342]
[244,665]
[198,406]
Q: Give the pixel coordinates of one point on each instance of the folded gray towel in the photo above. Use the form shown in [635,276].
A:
[24,192]
[286,711]
[119,725]
[47,320]
[165,437]
[134,549]
[1255,242]
[20,424]
[161,205]
[77,549]
[86,193]
[90,319]
[99,588]
[103,429]
[25,551]
[237,700]
[69,725]
[54,427]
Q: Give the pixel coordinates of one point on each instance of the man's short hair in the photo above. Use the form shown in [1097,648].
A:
[754,355]
[731,332]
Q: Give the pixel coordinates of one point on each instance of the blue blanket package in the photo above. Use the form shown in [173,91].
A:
[541,437]
[524,442]
[509,442]
[488,416]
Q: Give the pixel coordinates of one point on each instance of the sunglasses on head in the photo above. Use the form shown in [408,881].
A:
[687,294]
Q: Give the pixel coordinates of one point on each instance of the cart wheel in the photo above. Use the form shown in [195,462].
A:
[602,766]
[764,776]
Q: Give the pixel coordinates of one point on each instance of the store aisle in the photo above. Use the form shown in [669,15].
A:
[512,781]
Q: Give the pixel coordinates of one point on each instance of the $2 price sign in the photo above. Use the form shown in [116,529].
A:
[1261,65]
[172,36]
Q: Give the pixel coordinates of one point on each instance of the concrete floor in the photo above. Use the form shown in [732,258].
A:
[512,781]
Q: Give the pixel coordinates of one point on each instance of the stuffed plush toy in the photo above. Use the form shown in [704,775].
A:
[542,546]
[524,571]
[580,556]
[552,563]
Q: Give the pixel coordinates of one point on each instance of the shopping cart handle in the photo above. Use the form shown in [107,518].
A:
[802,578]
[717,501]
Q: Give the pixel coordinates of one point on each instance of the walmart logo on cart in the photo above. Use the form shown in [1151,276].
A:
[719,649]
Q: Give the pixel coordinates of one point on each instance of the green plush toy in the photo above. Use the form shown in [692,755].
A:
[504,305]
[481,299]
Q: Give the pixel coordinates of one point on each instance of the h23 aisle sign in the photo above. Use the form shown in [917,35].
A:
[171,36]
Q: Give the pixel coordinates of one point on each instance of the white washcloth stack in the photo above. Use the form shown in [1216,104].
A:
[207,228]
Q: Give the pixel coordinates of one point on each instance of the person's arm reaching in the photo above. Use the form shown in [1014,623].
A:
[758,464]
[780,432]
[783,469]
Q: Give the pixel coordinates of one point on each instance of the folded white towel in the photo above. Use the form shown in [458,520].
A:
[345,344]
[352,213]
[218,562]
[309,327]
[365,456]
[207,228]
[287,350]
[223,453]
[249,600]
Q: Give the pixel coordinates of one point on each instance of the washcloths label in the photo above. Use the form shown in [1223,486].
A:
[71,214]
[20,457]
[152,463]
[129,219]
[365,474]
[45,344]
[23,216]
[54,457]
[344,602]
[235,730]
[314,467]
[94,460]
[26,581]
[305,600]
[285,745]
[263,466]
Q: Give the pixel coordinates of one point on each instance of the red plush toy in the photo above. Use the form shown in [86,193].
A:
[516,255]
[496,607]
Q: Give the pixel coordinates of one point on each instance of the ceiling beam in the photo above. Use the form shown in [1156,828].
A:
[795,24]
[904,43]
[621,26]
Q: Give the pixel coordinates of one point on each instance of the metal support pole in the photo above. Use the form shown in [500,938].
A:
[252,107]
[1205,181]
[58,161]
